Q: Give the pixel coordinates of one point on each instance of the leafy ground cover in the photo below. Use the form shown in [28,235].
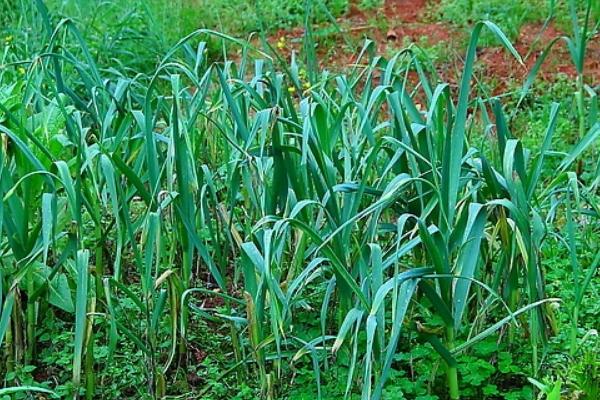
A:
[299,199]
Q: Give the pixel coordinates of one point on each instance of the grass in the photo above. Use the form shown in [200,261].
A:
[253,226]
[223,15]
[509,15]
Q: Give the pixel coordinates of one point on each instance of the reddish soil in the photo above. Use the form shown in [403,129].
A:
[530,44]
[404,10]
[433,32]
[406,20]
[355,13]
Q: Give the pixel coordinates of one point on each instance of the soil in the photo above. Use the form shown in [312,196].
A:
[407,20]
[533,40]
[404,10]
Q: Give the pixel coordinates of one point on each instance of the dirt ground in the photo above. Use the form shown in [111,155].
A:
[407,21]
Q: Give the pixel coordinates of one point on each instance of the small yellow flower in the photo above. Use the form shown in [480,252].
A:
[8,39]
[291,89]
[306,85]
[281,43]
[21,70]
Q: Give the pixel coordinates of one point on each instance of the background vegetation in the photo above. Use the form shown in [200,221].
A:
[196,204]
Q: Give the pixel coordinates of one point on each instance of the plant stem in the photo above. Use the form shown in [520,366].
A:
[30,346]
[90,380]
[10,350]
[581,113]
[573,336]
[451,371]
[17,323]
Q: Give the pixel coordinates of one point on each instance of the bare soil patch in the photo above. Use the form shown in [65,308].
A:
[406,21]
[532,41]
[404,10]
